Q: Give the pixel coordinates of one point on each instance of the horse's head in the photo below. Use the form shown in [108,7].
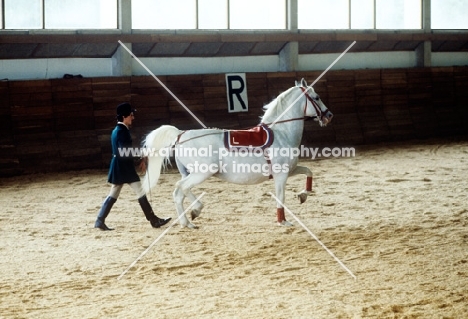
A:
[314,107]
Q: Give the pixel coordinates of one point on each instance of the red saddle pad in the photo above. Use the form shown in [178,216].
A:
[259,136]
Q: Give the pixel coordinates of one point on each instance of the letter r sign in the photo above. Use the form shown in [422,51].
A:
[236,87]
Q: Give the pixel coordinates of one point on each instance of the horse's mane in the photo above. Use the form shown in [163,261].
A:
[276,106]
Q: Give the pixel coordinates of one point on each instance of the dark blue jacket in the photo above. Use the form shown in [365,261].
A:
[122,168]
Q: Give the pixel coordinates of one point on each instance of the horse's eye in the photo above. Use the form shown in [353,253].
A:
[317,98]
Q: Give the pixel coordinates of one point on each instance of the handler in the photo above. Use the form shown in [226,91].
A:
[122,171]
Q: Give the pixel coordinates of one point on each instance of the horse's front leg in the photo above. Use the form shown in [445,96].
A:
[308,190]
[280,185]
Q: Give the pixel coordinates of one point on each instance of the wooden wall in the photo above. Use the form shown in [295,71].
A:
[65,124]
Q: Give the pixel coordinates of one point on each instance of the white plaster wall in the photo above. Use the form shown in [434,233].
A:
[449,58]
[172,66]
[34,69]
[362,60]
[31,69]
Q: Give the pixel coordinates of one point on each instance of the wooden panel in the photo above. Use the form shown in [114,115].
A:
[247,119]
[184,120]
[394,79]
[420,101]
[341,92]
[213,80]
[368,98]
[399,121]
[461,93]
[424,120]
[31,119]
[449,120]
[315,135]
[72,104]
[222,119]
[150,100]
[368,93]
[348,129]
[9,162]
[24,87]
[109,92]
[443,87]
[369,78]
[279,82]
[257,92]
[66,123]
[38,152]
[79,149]
[374,126]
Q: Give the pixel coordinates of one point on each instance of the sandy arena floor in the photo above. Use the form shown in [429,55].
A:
[395,215]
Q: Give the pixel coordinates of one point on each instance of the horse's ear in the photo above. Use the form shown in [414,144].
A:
[297,83]
[303,82]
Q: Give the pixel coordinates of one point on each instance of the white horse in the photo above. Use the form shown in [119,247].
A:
[202,153]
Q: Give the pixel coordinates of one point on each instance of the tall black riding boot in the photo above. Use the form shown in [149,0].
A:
[105,210]
[155,221]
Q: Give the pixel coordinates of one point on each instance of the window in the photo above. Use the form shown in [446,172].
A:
[23,14]
[163,14]
[80,14]
[359,14]
[362,14]
[398,14]
[232,14]
[257,14]
[212,14]
[449,14]
[59,14]
[319,14]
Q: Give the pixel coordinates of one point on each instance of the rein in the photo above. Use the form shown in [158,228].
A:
[194,138]
[318,111]
[284,121]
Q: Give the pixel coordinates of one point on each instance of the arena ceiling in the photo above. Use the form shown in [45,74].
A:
[94,44]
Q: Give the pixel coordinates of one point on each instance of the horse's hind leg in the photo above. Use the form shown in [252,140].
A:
[308,190]
[182,190]
[197,207]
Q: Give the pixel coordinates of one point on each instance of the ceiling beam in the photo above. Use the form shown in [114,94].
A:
[245,36]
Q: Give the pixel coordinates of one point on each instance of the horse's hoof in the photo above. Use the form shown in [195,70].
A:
[285,223]
[302,197]
[192,226]
[195,213]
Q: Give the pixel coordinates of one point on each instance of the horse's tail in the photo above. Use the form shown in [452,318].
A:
[159,139]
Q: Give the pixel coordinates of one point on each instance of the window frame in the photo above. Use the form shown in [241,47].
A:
[288,19]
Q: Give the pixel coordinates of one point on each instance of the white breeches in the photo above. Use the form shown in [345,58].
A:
[136,186]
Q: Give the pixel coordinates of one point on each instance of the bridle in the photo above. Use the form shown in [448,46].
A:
[317,108]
